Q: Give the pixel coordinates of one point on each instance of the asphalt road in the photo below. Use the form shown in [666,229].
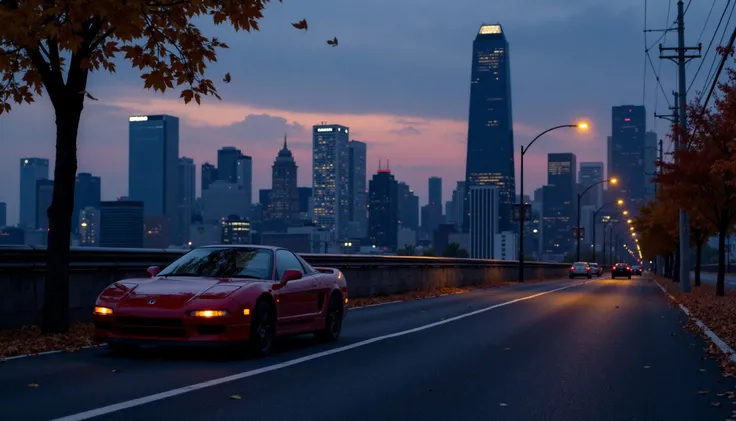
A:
[601,350]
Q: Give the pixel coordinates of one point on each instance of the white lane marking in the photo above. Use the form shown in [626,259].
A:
[723,346]
[215,382]
[58,351]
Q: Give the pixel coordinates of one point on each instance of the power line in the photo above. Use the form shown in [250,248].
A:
[647,57]
[724,57]
[710,44]
[715,56]
[659,82]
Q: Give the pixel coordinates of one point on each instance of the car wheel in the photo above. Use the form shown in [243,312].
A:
[333,320]
[613,277]
[590,276]
[629,276]
[262,329]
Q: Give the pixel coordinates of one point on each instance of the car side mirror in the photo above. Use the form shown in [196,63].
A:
[153,271]
[291,275]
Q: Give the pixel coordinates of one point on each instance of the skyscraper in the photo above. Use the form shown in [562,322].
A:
[244,176]
[284,197]
[87,192]
[44,196]
[121,224]
[153,169]
[408,207]
[626,160]
[490,153]
[651,155]
[558,211]
[357,198]
[383,225]
[330,174]
[209,175]
[591,173]
[31,170]
[227,164]
[3,214]
[484,207]
[187,198]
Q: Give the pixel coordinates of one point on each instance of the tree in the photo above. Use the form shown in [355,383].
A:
[702,176]
[454,250]
[44,41]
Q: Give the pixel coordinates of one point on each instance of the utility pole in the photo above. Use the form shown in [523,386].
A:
[681,58]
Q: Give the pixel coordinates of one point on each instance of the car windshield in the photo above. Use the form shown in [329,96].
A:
[595,265]
[580,265]
[223,262]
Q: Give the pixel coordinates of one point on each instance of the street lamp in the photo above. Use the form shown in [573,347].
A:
[580,197]
[580,126]
[595,222]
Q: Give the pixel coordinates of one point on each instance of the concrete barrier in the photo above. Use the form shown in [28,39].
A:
[22,272]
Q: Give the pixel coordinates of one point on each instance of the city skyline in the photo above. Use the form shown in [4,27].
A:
[394,121]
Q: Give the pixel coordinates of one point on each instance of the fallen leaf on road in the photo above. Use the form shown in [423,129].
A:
[703,392]
[646,366]
[720,394]
[507,349]
[236,397]
[503,404]
[701,370]
[716,404]
[33,385]
[115,370]
[30,340]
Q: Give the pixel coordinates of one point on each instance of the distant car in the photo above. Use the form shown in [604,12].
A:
[224,295]
[636,270]
[621,269]
[580,269]
[595,269]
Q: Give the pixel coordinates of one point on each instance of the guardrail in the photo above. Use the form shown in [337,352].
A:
[22,275]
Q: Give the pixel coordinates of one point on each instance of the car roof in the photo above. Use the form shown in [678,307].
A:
[250,246]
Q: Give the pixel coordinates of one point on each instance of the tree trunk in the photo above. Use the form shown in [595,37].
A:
[721,279]
[56,289]
[698,262]
[676,268]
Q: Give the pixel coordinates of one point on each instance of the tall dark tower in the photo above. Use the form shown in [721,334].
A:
[383,219]
[284,192]
[490,154]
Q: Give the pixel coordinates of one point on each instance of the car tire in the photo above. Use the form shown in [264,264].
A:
[333,320]
[590,276]
[262,329]
[613,277]
[629,276]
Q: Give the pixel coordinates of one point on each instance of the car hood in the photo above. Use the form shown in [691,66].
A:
[174,292]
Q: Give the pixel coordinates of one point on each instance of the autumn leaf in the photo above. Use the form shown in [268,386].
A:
[703,392]
[29,340]
[715,404]
[332,42]
[33,385]
[302,24]
[236,397]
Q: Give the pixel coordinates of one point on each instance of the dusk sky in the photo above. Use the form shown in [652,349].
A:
[399,79]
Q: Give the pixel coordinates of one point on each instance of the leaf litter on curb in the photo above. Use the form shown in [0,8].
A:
[715,312]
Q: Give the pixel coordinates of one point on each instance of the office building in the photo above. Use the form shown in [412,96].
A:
[121,224]
[284,197]
[330,174]
[590,174]
[483,212]
[357,196]
[87,193]
[31,170]
[383,219]
[559,207]
[244,174]
[227,164]
[187,198]
[490,150]
[408,207]
[44,197]
[3,214]
[506,246]
[153,169]
[626,158]
[89,227]
[209,175]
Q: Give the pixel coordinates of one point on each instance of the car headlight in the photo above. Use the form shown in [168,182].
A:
[208,314]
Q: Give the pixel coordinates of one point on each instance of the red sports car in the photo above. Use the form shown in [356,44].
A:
[225,294]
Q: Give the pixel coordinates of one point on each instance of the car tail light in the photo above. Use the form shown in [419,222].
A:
[587,268]
[572,267]
[628,268]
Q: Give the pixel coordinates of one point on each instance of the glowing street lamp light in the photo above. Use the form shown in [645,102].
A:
[629,221]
